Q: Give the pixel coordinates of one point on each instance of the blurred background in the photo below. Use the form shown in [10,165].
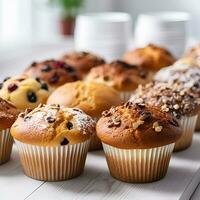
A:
[24,22]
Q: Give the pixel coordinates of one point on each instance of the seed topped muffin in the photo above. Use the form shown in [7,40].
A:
[119,75]
[51,125]
[151,57]
[52,72]
[24,92]
[82,61]
[138,141]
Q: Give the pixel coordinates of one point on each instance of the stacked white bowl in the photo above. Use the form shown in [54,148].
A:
[167,29]
[107,34]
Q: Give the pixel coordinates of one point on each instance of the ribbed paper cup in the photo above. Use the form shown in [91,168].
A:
[188,126]
[138,165]
[95,142]
[198,123]
[53,163]
[125,96]
[6,143]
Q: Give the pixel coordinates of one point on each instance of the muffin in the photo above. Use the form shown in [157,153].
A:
[24,92]
[194,53]
[53,72]
[151,58]
[121,76]
[177,101]
[8,115]
[138,141]
[93,98]
[53,141]
[82,61]
[186,62]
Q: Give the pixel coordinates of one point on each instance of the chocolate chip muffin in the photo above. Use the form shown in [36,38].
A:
[50,131]
[93,98]
[82,61]
[53,72]
[120,75]
[138,140]
[24,92]
[8,115]
[173,99]
[151,57]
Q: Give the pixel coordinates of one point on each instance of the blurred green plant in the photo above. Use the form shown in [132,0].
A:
[69,8]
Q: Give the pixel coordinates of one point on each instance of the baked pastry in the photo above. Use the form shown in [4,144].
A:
[8,115]
[53,72]
[82,61]
[93,98]
[138,141]
[24,92]
[151,57]
[50,131]
[186,62]
[122,76]
[176,100]
[194,53]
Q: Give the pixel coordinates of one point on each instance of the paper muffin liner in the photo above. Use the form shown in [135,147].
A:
[198,122]
[53,163]
[138,165]
[6,143]
[95,142]
[188,126]
[125,96]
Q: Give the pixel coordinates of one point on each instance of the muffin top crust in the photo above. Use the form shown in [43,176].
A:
[52,72]
[52,125]
[119,75]
[24,92]
[8,114]
[151,57]
[91,97]
[172,98]
[137,126]
[82,61]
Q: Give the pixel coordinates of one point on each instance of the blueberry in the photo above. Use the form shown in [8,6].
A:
[69,125]
[54,79]
[31,96]
[64,141]
[46,68]
[12,87]
[69,69]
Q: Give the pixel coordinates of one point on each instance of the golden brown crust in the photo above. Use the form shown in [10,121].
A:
[8,114]
[172,98]
[119,75]
[53,72]
[150,57]
[51,125]
[137,126]
[93,98]
[82,61]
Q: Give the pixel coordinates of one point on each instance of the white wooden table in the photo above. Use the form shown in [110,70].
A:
[95,183]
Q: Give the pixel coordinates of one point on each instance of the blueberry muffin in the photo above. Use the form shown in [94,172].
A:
[24,92]
[8,115]
[151,58]
[138,141]
[93,98]
[173,99]
[82,61]
[53,72]
[120,75]
[57,138]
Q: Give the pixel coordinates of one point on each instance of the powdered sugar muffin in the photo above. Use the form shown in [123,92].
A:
[175,100]
[24,92]
[50,131]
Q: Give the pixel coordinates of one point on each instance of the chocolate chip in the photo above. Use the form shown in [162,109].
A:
[5,79]
[44,86]
[12,87]
[33,64]
[54,78]
[145,116]
[1,85]
[50,119]
[31,96]
[65,141]
[69,125]
[69,69]
[27,118]
[174,122]
[46,68]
